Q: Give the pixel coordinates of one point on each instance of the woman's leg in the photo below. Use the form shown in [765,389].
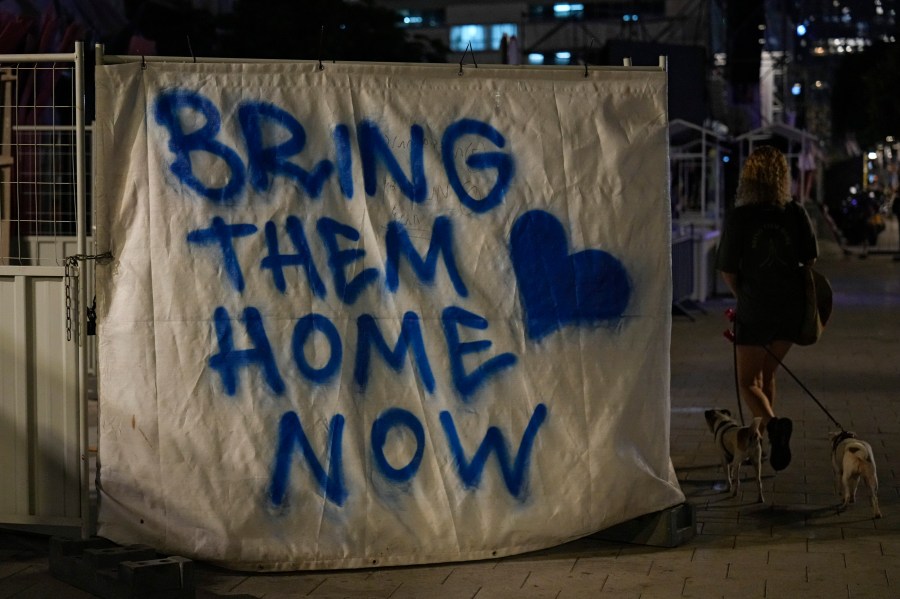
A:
[751,360]
[778,429]
[780,349]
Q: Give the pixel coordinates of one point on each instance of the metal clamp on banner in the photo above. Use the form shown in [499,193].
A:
[71,264]
[586,58]
[321,40]
[468,51]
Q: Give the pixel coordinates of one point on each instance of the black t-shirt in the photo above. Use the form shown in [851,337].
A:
[765,246]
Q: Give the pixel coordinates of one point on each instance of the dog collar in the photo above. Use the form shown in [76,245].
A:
[843,436]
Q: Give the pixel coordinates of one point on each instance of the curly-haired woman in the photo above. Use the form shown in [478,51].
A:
[766,242]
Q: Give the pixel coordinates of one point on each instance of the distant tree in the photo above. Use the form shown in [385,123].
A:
[322,29]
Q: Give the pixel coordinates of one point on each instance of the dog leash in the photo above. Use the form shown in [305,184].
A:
[737,386]
[730,314]
[729,334]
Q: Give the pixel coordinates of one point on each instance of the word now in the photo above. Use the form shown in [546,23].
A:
[258,121]
[291,437]
[229,362]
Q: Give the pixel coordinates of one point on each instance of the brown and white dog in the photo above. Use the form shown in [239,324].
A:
[852,460]
[736,442]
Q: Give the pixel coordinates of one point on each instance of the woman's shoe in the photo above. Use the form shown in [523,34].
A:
[780,430]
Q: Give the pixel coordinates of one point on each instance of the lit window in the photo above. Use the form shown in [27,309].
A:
[462,35]
[563,57]
[421,18]
[535,58]
[497,32]
[562,11]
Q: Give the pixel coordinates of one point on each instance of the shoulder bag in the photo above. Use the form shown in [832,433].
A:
[817,306]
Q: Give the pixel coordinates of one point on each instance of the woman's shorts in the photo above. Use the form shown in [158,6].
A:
[763,333]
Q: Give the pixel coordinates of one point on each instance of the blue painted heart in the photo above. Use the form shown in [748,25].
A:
[557,288]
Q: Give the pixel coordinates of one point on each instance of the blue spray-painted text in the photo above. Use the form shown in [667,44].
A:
[340,256]
[194,126]
[331,483]
[230,361]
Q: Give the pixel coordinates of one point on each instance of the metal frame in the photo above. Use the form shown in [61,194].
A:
[696,152]
[108,59]
[18,268]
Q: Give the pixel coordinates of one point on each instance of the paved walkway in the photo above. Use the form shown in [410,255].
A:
[797,546]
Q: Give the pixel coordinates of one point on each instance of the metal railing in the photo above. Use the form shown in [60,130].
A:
[42,156]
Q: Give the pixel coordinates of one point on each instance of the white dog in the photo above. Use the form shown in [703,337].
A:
[736,442]
[852,459]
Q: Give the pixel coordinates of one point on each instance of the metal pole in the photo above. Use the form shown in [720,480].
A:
[703,174]
[80,214]
[717,178]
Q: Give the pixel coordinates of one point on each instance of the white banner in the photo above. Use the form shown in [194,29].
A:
[380,314]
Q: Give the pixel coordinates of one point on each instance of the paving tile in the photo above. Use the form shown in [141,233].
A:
[606,565]
[786,589]
[584,588]
[709,588]
[790,544]
[862,546]
[864,529]
[627,584]
[891,546]
[704,544]
[482,578]
[747,566]
[411,589]
[218,580]
[810,531]
[870,591]
[553,583]
[511,569]
[11,568]
[866,575]
[35,582]
[435,575]
[524,593]
[715,560]
[298,584]
[735,528]
[338,584]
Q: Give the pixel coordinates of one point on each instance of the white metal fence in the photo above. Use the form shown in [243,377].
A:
[43,349]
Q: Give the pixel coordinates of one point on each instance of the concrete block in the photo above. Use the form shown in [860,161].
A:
[667,528]
[110,557]
[65,547]
[163,574]
[111,571]
[65,553]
